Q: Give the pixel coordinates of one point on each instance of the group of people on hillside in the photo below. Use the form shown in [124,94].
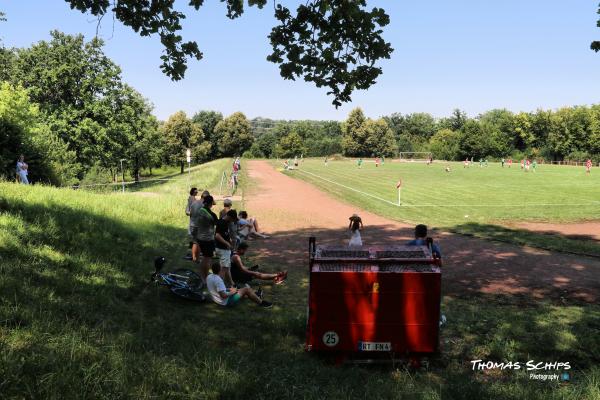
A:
[225,236]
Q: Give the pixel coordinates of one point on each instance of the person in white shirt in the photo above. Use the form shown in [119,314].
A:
[355,226]
[22,170]
[248,227]
[223,297]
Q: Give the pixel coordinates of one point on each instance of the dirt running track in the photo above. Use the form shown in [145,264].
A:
[292,210]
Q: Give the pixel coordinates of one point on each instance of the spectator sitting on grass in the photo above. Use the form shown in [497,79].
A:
[248,227]
[421,240]
[222,296]
[242,275]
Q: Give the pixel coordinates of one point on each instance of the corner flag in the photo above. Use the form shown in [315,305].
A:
[399,184]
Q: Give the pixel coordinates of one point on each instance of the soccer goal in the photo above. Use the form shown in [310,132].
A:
[410,156]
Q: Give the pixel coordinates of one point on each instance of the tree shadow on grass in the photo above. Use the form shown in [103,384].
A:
[584,245]
[78,319]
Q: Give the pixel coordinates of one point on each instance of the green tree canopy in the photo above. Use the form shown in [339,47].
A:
[333,43]
[180,134]
[233,135]
[207,121]
[365,137]
[290,146]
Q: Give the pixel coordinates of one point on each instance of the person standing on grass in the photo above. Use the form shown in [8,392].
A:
[588,166]
[503,163]
[188,211]
[22,170]
[466,163]
[224,297]
[359,163]
[326,160]
[203,232]
[355,226]
[224,245]
[509,162]
[242,275]
[376,162]
[534,165]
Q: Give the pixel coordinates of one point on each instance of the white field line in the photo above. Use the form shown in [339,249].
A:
[515,205]
[349,188]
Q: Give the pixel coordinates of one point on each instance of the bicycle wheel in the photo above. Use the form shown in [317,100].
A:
[186,293]
[188,277]
[188,284]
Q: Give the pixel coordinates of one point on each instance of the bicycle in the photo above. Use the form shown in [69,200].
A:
[182,282]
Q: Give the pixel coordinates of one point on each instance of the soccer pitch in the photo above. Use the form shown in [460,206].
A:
[481,195]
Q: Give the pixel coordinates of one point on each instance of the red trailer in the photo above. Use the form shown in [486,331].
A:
[372,299]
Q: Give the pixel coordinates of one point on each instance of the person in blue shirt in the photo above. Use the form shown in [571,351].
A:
[421,240]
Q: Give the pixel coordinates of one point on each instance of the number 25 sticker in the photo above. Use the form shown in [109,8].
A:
[331,339]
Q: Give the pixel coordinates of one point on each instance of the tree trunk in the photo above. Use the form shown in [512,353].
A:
[181,167]
[136,171]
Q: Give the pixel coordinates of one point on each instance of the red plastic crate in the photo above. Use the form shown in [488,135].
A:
[373,299]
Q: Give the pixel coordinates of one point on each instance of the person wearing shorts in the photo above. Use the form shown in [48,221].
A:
[242,275]
[588,166]
[203,233]
[229,298]
[224,245]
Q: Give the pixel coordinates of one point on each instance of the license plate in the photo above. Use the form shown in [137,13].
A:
[374,346]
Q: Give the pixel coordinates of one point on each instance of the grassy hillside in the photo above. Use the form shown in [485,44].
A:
[78,320]
[480,201]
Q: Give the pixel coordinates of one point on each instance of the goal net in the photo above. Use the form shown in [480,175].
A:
[415,155]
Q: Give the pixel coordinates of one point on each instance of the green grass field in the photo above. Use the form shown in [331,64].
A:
[480,201]
[78,320]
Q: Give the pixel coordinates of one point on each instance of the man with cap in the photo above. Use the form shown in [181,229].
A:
[233,226]
[226,207]
[203,232]
[224,245]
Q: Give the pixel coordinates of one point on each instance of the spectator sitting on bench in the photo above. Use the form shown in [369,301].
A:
[421,240]
[242,275]
[223,297]
[248,227]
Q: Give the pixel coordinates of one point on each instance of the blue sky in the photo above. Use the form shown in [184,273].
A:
[475,55]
